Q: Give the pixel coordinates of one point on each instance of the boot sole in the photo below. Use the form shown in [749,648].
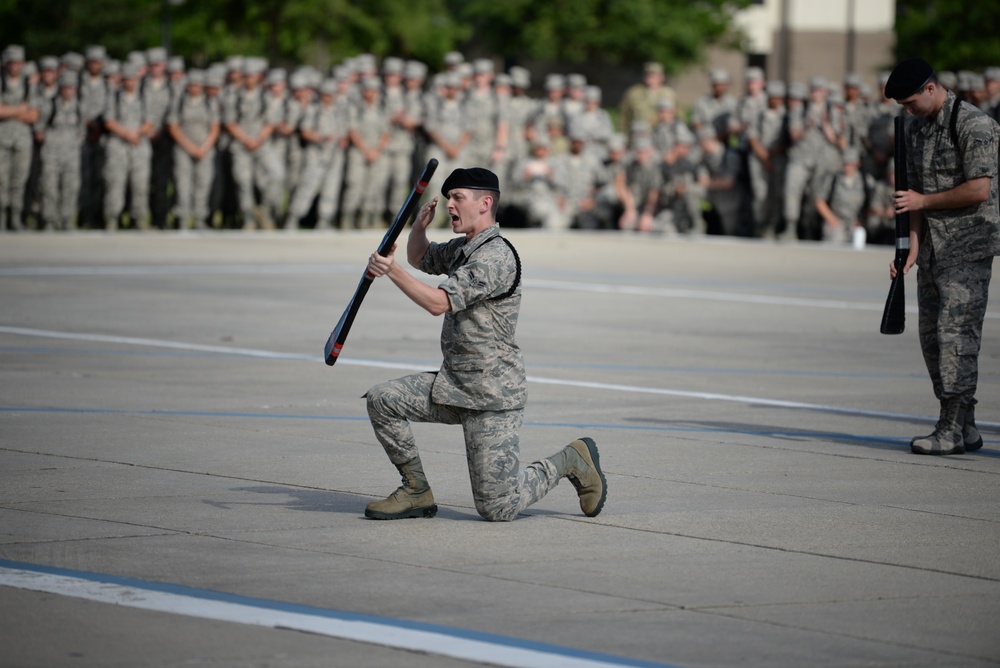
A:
[596,457]
[917,450]
[426,511]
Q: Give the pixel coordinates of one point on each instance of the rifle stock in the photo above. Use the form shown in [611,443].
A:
[894,314]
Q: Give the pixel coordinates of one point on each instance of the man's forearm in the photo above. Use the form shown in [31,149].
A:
[417,245]
[433,300]
[970,193]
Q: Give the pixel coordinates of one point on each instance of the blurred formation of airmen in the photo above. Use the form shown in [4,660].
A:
[91,142]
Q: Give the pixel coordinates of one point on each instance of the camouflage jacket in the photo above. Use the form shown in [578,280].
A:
[935,164]
[482,367]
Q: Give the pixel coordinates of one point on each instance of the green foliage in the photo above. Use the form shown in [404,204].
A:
[321,32]
[949,34]
[673,32]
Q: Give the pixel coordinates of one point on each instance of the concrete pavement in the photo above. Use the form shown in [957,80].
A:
[171,440]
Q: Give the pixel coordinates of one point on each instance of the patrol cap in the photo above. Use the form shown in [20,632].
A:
[502,79]
[235,63]
[992,74]
[156,55]
[276,76]
[69,79]
[852,156]
[719,76]
[593,94]
[73,61]
[371,83]
[215,77]
[464,69]
[617,142]
[112,68]
[576,133]
[754,74]
[964,82]
[520,77]
[328,87]
[576,81]
[196,77]
[175,64]
[48,63]
[30,69]
[252,66]
[392,65]
[818,81]
[453,58]
[642,143]
[14,53]
[474,178]
[797,91]
[138,58]
[415,69]
[652,67]
[665,103]
[130,70]
[836,98]
[908,78]
[96,52]
[776,88]
[555,82]
[639,126]
[852,80]
[299,80]
[482,66]
[706,132]
[365,62]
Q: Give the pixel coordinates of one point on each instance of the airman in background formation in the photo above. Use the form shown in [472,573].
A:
[244,144]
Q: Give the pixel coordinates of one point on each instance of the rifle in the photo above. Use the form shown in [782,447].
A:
[894,315]
[337,337]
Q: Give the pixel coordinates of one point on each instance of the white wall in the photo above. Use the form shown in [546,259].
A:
[760,22]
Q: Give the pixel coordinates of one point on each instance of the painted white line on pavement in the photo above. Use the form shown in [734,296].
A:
[383,631]
[381,364]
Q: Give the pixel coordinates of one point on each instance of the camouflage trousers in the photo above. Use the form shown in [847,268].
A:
[500,487]
[952,307]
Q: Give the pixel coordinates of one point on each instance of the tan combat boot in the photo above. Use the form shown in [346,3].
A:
[412,499]
[581,464]
[947,438]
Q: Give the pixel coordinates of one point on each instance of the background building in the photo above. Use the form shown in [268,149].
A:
[795,39]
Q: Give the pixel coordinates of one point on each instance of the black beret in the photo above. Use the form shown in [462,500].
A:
[908,78]
[475,178]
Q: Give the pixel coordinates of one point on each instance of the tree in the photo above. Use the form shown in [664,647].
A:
[672,32]
[320,32]
[949,34]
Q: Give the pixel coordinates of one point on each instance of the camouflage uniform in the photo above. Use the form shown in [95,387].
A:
[364,194]
[195,116]
[405,112]
[248,112]
[958,245]
[127,165]
[63,125]
[16,145]
[93,100]
[156,94]
[768,133]
[481,383]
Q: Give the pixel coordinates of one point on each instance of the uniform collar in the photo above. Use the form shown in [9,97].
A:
[475,242]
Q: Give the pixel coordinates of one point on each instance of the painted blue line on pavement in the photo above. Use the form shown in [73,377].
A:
[389,623]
